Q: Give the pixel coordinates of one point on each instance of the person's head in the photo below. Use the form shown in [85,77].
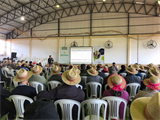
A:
[55,69]
[5,65]
[123,67]
[116,83]
[98,67]
[1,63]
[92,71]
[24,82]
[13,62]
[154,72]
[50,56]
[111,70]
[146,108]
[70,66]
[113,63]
[30,62]
[40,64]
[22,65]
[26,64]
[6,61]
[26,61]
[19,64]
[36,70]
[131,70]
[88,67]
[83,66]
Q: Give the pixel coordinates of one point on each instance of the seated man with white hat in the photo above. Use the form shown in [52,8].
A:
[67,91]
[55,71]
[36,77]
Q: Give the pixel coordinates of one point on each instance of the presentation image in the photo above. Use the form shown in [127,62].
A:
[81,55]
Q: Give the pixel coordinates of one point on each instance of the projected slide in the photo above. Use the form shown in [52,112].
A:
[81,55]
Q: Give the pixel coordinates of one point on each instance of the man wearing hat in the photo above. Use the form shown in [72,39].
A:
[22,89]
[100,73]
[148,75]
[136,66]
[18,65]
[67,91]
[146,108]
[13,65]
[36,70]
[55,74]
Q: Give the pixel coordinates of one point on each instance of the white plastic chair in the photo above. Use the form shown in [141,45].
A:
[53,84]
[106,74]
[105,87]
[143,76]
[18,101]
[93,89]
[79,86]
[123,74]
[15,84]
[114,103]
[94,107]
[85,79]
[133,89]
[66,108]
[36,86]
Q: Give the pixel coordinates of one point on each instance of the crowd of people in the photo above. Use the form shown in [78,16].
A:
[145,104]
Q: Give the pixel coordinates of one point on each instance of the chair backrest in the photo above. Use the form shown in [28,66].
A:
[106,74]
[106,87]
[93,88]
[79,86]
[18,101]
[53,84]
[66,108]
[133,89]
[114,103]
[36,86]
[15,84]
[94,107]
[12,71]
[85,79]
[123,74]
[143,76]
[4,72]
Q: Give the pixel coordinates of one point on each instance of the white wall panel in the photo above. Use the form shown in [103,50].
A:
[133,54]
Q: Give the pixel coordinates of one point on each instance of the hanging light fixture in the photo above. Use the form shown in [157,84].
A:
[158,1]
[22,18]
[57,6]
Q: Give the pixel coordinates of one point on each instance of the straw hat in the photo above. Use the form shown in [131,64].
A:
[34,63]
[136,66]
[22,75]
[77,70]
[36,70]
[131,70]
[116,82]
[19,64]
[93,71]
[150,65]
[141,67]
[71,77]
[154,72]
[55,70]
[152,82]
[146,108]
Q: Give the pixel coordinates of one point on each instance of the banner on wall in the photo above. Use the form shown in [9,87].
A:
[64,55]
[98,55]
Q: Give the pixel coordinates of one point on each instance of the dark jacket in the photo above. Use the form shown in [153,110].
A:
[94,79]
[56,78]
[13,66]
[83,73]
[64,92]
[50,60]
[101,74]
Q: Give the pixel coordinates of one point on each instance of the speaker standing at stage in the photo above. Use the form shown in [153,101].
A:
[50,60]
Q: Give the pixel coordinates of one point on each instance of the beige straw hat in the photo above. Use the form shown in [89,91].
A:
[154,72]
[77,70]
[36,70]
[92,71]
[141,68]
[55,69]
[71,77]
[131,70]
[136,66]
[152,82]
[22,75]
[19,64]
[146,108]
[26,64]
[116,82]
[150,65]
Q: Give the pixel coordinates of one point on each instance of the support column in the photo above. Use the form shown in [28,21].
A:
[58,43]
[128,51]
[30,48]
[90,41]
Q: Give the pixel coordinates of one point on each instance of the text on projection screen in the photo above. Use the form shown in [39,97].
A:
[81,55]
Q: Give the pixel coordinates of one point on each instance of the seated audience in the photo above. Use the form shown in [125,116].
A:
[83,70]
[13,65]
[18,65]
[146,108]
[55,74]
[105,69]
[148,75]
[136,66]
[123,69]
[111,72]
[6,69]
[153,85]
[36,77]
[114,65]
[93,76]
[141,69]
[66,91]
[99,69]
[117,85]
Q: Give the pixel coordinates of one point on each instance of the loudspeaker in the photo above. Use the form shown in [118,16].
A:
[13,55]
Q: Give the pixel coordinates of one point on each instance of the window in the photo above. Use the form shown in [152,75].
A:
[2,47]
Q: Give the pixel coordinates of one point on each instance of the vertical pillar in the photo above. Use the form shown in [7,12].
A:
[5,49]
[30,48]
[128,50]
[58,43]
[90,41]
